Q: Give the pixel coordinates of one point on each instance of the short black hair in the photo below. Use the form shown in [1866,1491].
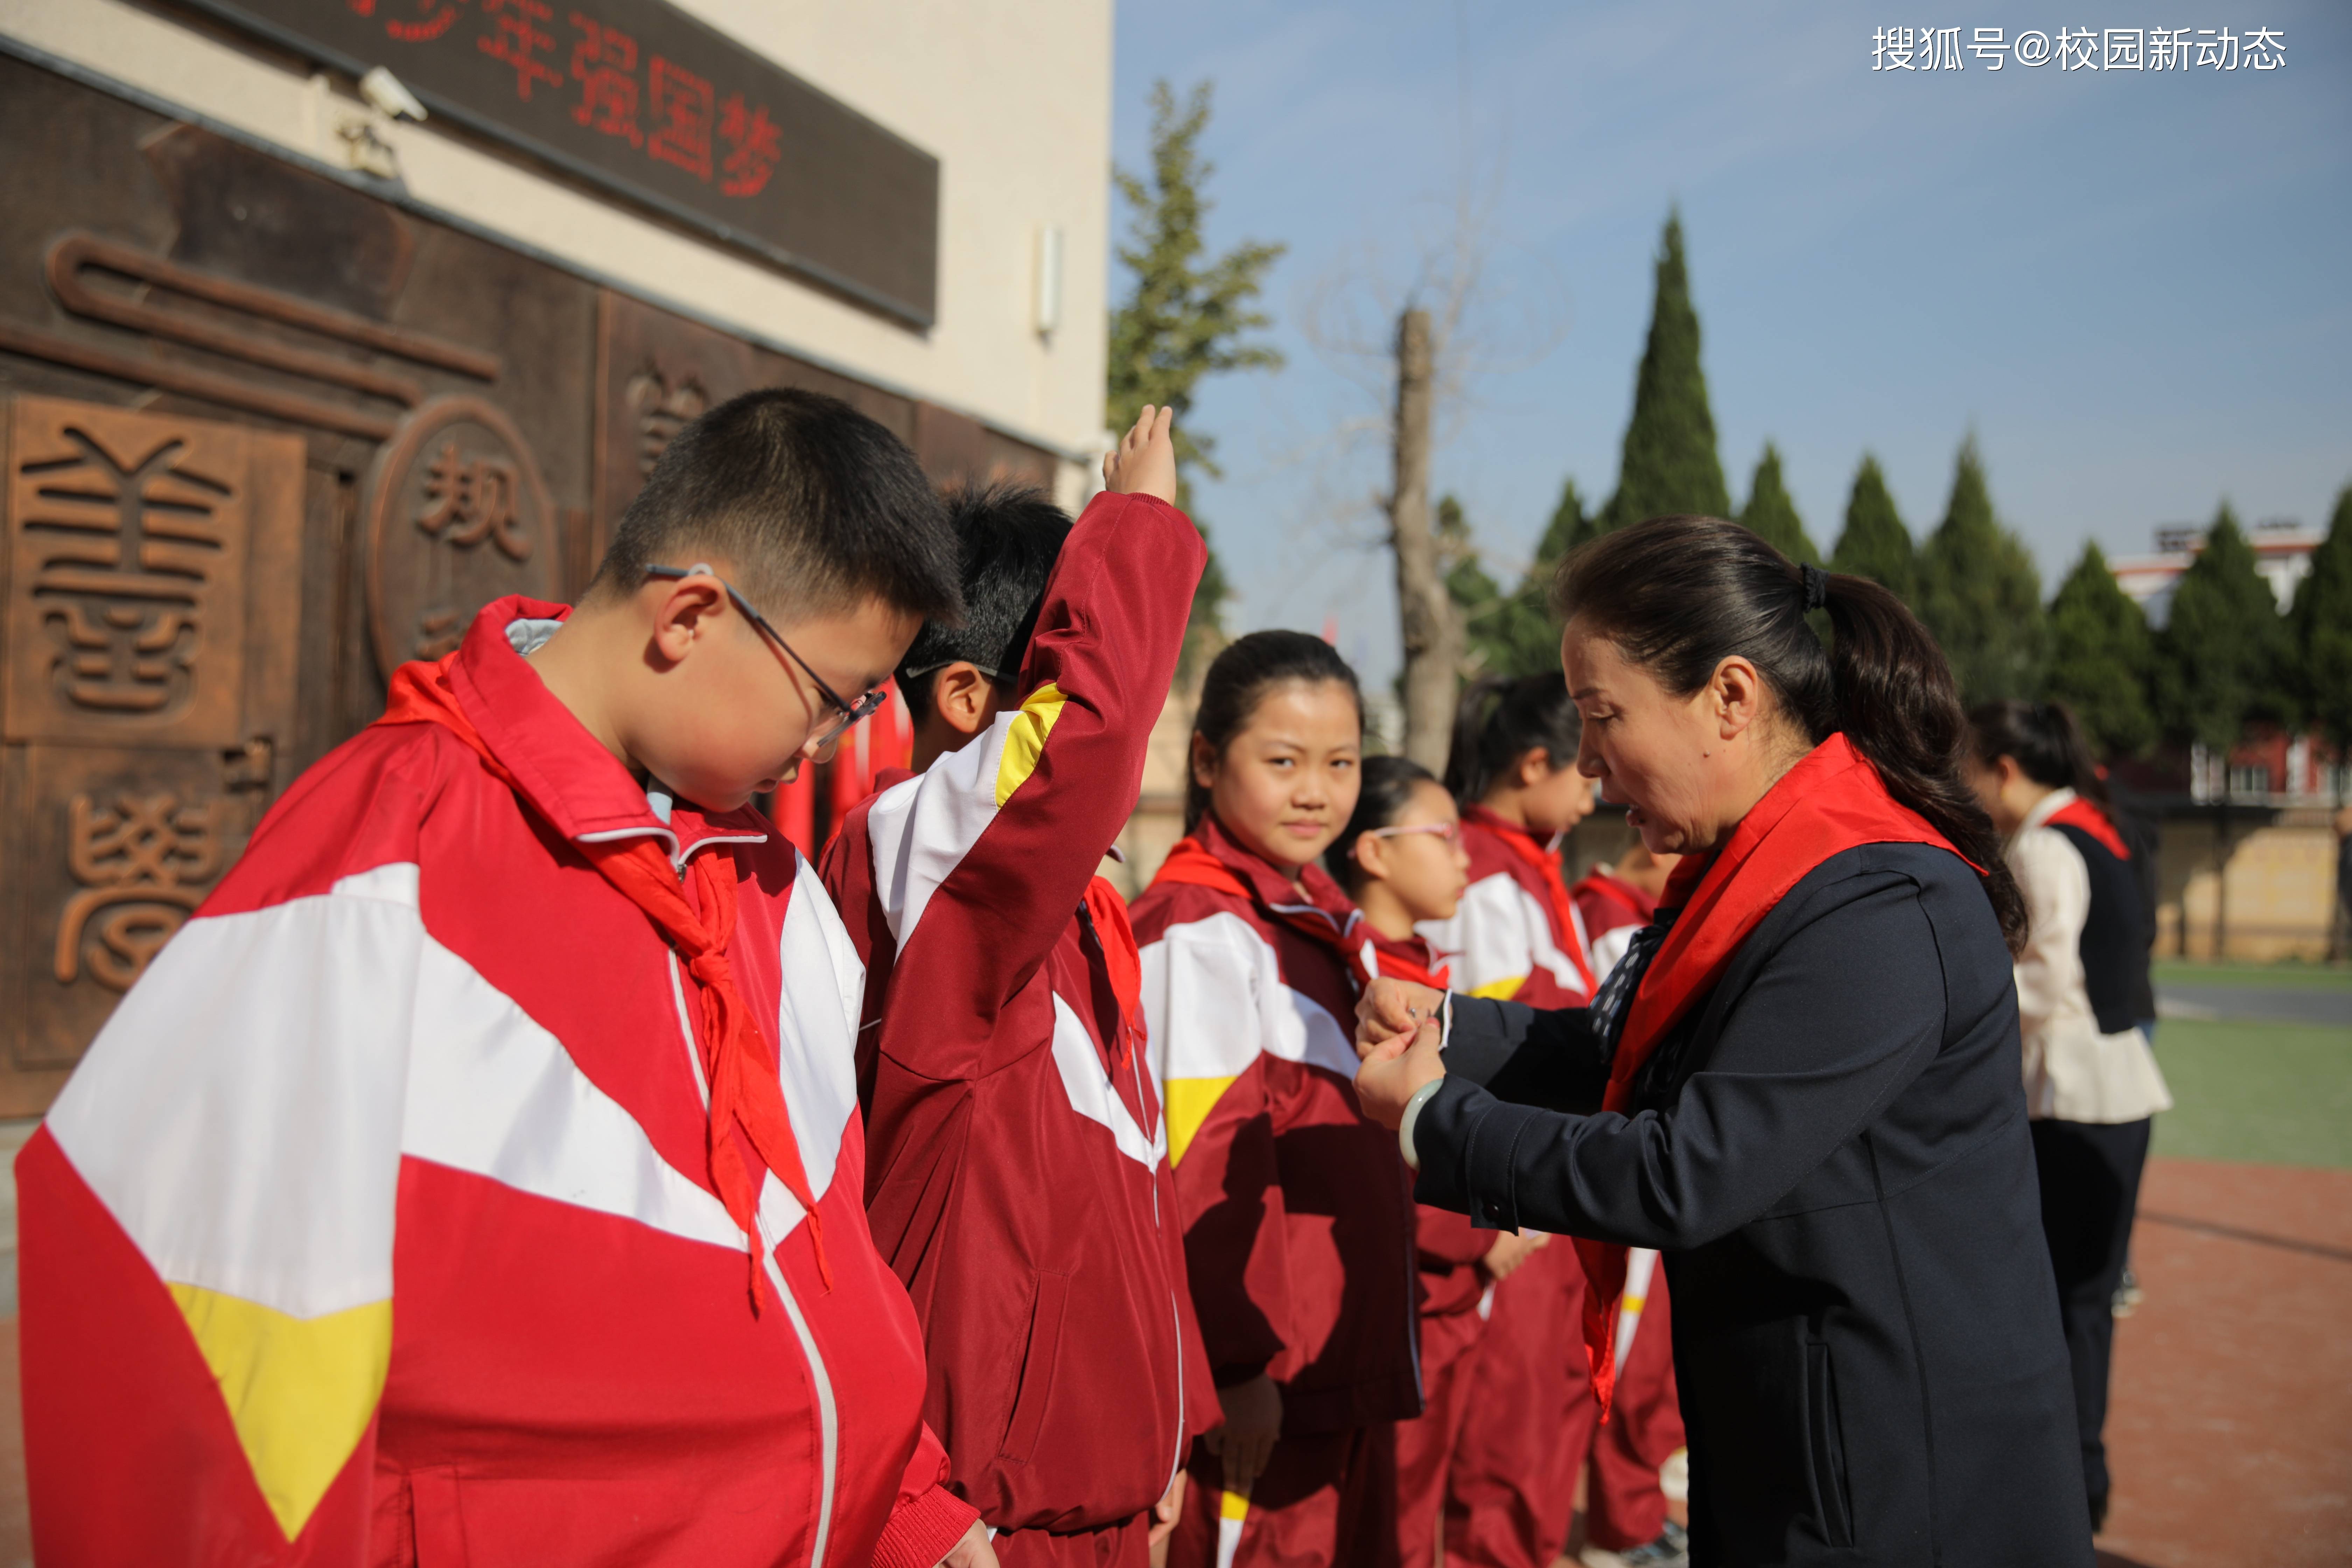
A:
[1008,536]
[814,507]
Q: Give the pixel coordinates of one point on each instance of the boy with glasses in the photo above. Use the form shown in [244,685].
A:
[478,1173]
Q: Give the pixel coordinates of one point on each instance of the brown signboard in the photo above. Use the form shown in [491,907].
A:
[639,98]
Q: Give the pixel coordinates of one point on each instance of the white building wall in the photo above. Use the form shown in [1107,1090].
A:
[1011,96]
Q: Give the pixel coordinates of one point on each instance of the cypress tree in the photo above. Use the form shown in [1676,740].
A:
[2100,657]
[1979,593]
[1876,545]
[1669,464]
[1772,515]
[2321,633]
[2220,656]
[1515,633]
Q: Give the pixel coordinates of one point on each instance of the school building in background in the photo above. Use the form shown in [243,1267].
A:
[324,322]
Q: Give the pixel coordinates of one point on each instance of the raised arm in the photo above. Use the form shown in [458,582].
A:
[1843,1016]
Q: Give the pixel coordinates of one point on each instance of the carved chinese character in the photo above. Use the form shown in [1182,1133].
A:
[143,865]
[663,409]
[514,39]
[468,499]
[605,64]
[681,110]
[755,142]
[127,548]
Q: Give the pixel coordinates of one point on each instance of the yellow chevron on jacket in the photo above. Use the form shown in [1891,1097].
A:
[1024,741]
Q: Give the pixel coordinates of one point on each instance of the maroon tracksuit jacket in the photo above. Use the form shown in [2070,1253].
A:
[1017,1177]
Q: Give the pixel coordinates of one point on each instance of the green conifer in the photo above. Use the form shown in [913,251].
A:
[2219,658]
[1515,633]
[2100,657]
[1979,593]
[1669,464]
[1874,543]
[1772,515]
[2321,632]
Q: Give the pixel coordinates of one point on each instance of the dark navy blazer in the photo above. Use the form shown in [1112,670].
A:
[1830,1152]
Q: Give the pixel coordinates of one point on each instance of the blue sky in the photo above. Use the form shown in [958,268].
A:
[2136,290]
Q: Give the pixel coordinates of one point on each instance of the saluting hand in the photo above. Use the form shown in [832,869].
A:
[1144,461]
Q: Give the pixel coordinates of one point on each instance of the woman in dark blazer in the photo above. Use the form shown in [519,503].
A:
[1801,1085]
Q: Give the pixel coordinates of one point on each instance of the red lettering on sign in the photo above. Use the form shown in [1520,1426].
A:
[433,18]
[605,63]
[681,111]
[516,41]
[756,143]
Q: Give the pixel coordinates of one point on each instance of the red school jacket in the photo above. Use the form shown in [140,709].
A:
[1517,934]
[1019,1179]
[378,1225]
[1612,911]
[1298,1211]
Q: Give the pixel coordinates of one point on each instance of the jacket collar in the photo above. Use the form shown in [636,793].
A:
[1267,884]
[566,775]
[2048,806]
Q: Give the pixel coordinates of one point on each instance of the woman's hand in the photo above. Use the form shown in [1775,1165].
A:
[1511,1249]
[1395,1070]
[972,1550]
[1252,1421]
[1391,1009]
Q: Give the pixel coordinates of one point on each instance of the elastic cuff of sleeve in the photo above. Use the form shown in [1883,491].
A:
[921,1531]
[1421,1097]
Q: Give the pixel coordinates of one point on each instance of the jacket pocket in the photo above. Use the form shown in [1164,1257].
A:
[1038,1365]
[1828,1444]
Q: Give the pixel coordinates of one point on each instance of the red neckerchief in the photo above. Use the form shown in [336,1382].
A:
[2081,813]
[1209,858]
[1370,955]
[1545,858]
[746,1090]
[1619,894]
[1122,962]
[1831,801]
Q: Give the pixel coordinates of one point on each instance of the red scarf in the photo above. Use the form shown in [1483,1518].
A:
[1545,858]
[1327,918]
[1413,959]
[737,1061]
[1831,801]
[1123,963]
[2081,813]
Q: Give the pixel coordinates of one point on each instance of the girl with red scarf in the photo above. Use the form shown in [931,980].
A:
[1400,857]
[1800,1085]
[1296,1210]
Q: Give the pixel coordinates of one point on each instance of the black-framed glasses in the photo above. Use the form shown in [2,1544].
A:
[851,712]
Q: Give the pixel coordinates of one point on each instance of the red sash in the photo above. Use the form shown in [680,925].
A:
[2083,813]
[1124,963]
[736,1060]
[1193,863]
[1831,801]
[1545,861]
[1414,960]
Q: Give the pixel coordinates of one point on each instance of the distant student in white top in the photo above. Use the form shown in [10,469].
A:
[2091,1081]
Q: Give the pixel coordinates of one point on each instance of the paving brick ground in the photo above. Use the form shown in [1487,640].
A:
[2232,1428]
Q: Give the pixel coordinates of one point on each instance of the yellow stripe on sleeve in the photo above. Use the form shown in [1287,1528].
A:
[1501,989]
[301,1391]
[1190,1101]
[1024,739]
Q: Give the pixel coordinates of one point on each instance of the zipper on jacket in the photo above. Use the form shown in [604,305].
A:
[828,1415]
[1175,1308]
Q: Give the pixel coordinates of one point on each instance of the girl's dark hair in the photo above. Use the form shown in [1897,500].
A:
[2045,740]
[1502,720]
[1679,595]
[1242,674]
[1388,786]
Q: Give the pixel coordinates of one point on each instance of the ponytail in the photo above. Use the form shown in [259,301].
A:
[2045,743]
[1679,595]
[1238,679]
[1501,720]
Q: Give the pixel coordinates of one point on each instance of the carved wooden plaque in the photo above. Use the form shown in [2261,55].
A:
[149,636]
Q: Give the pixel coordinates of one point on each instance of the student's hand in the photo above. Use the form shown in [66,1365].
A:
[1252,1421]
[1394,1072]
[972,1551]
[1511,1249]
[1164,1514]
[1144,462]
[1391,1009]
